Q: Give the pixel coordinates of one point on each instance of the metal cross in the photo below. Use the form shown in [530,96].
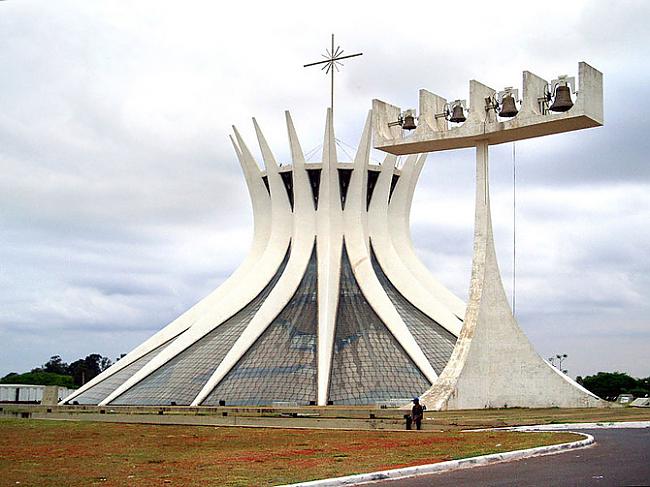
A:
[332,62]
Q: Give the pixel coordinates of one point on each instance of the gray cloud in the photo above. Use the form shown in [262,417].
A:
[122,204]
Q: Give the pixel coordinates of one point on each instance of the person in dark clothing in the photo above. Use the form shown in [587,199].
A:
[417,413]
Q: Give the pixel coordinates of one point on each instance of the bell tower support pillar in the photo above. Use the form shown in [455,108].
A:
[493,364]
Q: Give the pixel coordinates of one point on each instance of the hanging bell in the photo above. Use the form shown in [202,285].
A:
[457,115]
[409,122]
[562,101]
[508,107]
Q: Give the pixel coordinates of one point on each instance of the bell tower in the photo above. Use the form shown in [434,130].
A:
[493,364]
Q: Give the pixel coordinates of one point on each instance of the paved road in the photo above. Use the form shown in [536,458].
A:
[621,457]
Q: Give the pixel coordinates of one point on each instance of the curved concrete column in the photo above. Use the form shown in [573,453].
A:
[329,229]
[356,244]
[302,244]
[244,290]
[399,213]
[390,259]
[261,234]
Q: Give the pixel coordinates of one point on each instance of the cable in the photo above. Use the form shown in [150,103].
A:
[311,153]
[514,227]
[339,144]
[372,158]
[345,143]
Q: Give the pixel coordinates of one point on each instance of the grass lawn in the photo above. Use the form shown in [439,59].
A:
[490,418]
[66,453]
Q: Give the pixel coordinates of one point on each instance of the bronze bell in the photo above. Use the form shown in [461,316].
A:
[409,122]
[508,107]
[457,115]
[562,101]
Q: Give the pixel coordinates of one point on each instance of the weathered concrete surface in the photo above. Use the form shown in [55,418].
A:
[333,416]
[243,421]
[434,133]
[493,364]
[312,418]
[50,395]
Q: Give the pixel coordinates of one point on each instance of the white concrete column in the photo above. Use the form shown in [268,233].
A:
[261,235]
[329,229]
[399,211]
[390,256]
[242,293]
[356,244]
[302,243]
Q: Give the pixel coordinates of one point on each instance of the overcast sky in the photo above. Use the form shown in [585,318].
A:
[122,202]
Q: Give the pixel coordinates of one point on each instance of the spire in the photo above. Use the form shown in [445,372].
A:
[279,198]
[297,156]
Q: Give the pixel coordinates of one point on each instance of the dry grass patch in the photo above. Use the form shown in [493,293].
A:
[57,453]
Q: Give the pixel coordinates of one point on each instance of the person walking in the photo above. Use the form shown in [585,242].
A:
[417,413]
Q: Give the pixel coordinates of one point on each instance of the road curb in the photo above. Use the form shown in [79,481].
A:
[576,426]
[401,473]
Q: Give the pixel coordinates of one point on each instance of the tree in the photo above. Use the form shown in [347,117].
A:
[39,378]
[83,370]
[56,365]
[56,372]
[609,384]
[80,372]
[105,363]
